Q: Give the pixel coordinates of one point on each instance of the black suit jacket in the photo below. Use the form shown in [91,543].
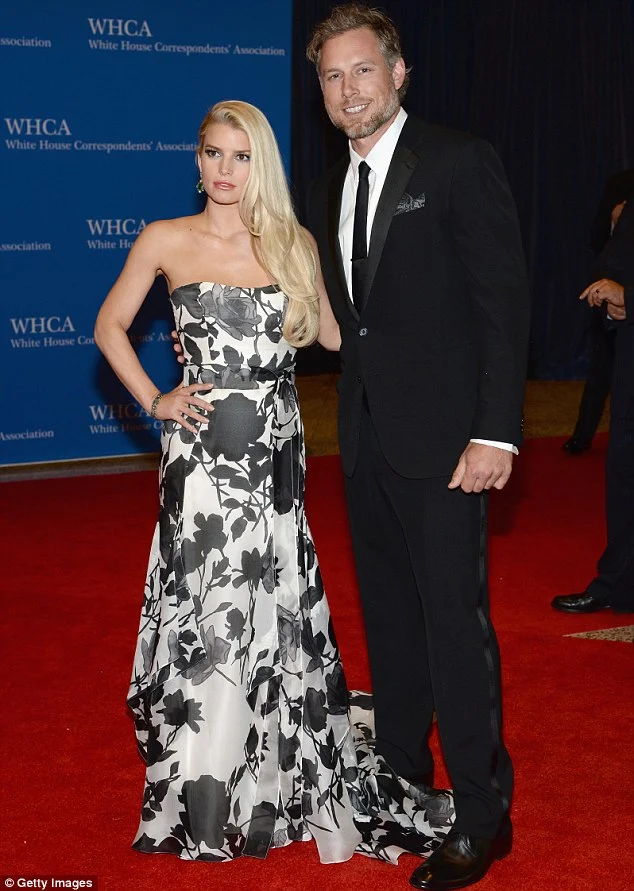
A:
[619,187]
[440,345]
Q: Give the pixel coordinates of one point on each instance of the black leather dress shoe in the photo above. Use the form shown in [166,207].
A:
[579,603]
[461,860]
[574,446]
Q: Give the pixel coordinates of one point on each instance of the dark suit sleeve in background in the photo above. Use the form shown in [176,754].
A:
[618,188]
[616,260]
[486,229]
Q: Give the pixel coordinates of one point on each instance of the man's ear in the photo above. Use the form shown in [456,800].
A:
[398,73]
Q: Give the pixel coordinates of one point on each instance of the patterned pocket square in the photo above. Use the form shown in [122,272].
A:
[409,203]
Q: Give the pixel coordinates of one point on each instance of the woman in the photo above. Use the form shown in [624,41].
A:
[240,702]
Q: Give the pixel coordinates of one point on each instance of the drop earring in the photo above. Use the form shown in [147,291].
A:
[200,187]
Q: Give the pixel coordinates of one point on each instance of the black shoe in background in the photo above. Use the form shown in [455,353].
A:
[579,603]
[574,446]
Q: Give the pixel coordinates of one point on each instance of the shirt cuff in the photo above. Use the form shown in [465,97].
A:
[507,446]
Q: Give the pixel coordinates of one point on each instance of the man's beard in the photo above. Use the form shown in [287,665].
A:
[363,129]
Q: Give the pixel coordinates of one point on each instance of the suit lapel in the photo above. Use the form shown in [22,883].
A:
[335,192]
[404,160]
[401,168]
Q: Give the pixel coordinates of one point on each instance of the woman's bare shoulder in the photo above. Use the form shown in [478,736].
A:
[169,230]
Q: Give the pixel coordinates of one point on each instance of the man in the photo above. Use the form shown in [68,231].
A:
[599,380]
[614,584]
[423,264]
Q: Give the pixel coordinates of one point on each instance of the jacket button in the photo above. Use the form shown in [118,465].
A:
[363,332]
[358,378]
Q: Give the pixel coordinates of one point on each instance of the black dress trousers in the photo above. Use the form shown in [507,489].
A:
[420,552]
[615,580]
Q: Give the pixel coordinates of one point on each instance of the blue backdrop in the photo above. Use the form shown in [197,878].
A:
[99,131]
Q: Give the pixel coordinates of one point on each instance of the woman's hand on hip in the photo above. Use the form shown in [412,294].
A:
[181,405]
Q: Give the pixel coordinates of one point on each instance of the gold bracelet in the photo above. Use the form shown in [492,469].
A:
[155,403]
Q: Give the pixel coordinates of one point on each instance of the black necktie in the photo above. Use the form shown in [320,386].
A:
[359,235]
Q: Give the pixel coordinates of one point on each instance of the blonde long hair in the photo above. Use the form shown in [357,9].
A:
[280,243]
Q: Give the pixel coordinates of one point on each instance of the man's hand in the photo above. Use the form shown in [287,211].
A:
[615,312]
[606,291]
[178,348]
[482,467]
[616,212]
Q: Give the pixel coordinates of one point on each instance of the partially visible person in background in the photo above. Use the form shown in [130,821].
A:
[613,586]
[599,380]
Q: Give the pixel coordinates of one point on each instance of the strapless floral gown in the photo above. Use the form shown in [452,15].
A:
[241,708]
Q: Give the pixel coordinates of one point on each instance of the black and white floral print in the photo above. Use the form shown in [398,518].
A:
[241,708]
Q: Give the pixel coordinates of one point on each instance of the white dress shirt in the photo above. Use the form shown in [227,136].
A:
[378,160]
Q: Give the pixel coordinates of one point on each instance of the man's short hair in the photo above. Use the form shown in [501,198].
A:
[351,17]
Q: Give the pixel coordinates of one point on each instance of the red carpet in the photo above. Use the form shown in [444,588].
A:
[73,576]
